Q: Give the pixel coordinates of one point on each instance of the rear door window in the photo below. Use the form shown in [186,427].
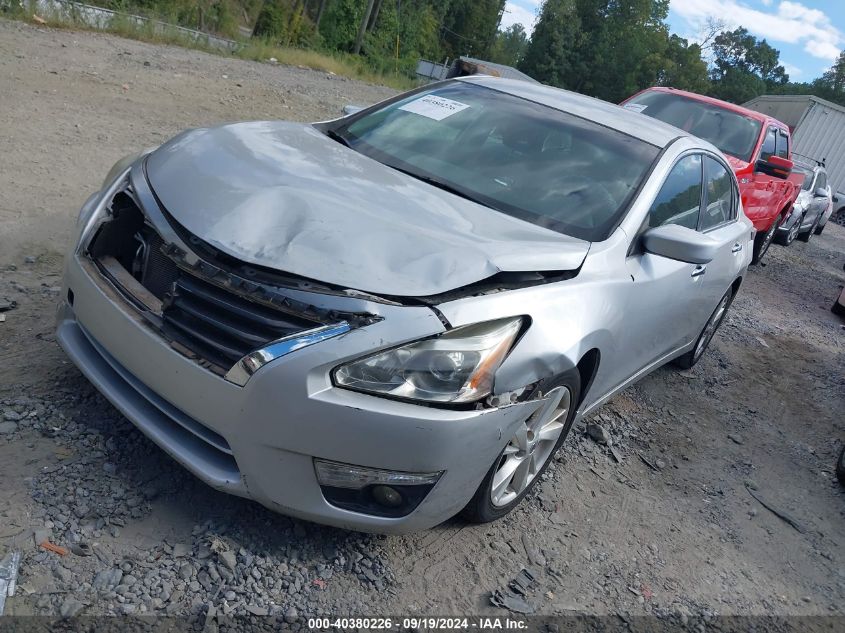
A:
[769,145]
[679,200]
[783,144]
[821,181]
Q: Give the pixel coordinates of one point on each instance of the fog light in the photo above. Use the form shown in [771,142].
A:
[341,475]
[373,491]
[387,496]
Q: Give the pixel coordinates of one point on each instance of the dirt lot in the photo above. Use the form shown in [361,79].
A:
[671,530]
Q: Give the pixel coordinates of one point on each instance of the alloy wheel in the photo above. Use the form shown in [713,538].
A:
[530,448]
[711,327]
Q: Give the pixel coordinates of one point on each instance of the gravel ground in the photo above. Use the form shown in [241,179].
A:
[669,513]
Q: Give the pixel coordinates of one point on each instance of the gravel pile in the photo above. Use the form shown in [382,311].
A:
[249,561]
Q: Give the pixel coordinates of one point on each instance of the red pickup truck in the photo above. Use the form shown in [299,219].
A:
[758,147]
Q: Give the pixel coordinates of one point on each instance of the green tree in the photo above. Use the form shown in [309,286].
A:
[833,80]
[605,48]
[510,45]
[744,67]
[469,27]
[551,54]
[683,66]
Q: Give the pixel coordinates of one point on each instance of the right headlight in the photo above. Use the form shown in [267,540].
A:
[456,367]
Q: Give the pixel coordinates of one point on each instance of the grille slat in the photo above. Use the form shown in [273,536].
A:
[236,306]
[194,335]
[221,322]
[220,326]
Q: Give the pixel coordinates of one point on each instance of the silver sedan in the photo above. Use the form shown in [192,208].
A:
[382,321]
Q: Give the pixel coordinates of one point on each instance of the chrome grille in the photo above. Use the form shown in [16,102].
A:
[220,326]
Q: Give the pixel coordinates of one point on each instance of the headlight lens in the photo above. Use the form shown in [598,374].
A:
[456,367]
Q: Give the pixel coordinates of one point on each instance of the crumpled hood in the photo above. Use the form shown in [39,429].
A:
[284,196]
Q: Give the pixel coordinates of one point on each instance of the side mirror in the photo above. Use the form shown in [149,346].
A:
[821,192]
[351,109]
[775,166]
[680,243]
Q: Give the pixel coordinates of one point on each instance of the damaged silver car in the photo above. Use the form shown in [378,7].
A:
[382,321]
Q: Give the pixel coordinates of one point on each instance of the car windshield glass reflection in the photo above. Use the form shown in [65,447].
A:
[518,157]
[731,132]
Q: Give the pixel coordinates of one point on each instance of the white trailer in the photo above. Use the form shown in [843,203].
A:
[818,132]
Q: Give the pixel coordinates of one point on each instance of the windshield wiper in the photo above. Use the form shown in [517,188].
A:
[335,136]
[440,185]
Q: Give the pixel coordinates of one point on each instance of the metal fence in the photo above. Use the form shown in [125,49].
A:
[100,18]
[431,71]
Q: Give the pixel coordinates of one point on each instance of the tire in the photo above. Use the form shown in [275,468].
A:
[805,237]
[785,239]
[820,228]
[703,341]
[481,508]
[840,467]
[762,241]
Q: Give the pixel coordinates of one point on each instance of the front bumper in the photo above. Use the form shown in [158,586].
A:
[259,440]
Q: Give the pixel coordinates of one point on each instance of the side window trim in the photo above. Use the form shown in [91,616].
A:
[770,130]
[734,196]
[782,134]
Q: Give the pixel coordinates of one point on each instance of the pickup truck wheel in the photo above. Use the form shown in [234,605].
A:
[762,241]
[527,455]
[805,237]
[701,344]
[789,237]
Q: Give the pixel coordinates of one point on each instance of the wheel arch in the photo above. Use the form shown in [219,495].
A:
[587,367]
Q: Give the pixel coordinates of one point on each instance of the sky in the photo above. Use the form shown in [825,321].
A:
[808,33]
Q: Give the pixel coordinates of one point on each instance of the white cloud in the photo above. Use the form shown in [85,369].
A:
[768,3]
[793,71]
[792,23]
[524,13]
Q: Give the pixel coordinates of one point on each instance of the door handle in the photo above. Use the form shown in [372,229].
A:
[736,248]
[698,271]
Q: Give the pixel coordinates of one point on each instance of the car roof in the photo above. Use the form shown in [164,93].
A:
[645,128]
[752,114]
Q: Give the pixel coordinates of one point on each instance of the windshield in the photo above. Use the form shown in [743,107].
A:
[521,158]
[731,132]
[809,176]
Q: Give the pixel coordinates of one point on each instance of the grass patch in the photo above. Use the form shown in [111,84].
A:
[254,49]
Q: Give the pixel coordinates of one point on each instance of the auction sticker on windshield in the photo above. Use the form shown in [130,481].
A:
[636,107]
[437,108]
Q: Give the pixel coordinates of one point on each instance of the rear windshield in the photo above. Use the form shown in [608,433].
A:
[731,132]
[518,157]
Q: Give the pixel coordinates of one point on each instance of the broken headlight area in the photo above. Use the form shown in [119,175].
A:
[373,491]
[214,320]
[456,367]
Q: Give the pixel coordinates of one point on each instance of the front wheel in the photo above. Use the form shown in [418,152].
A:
[762,241]
[789,237]
[527,455]
[694,355]
[805,237]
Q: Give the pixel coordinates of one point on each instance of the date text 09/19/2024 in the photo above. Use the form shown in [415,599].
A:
[417,623]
